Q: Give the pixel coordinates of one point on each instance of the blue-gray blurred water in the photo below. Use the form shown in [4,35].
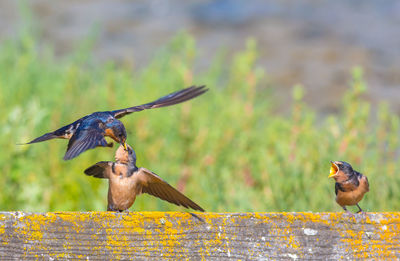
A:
[312,42]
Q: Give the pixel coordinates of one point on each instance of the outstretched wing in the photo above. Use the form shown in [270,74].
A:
[154,185]
[168,100]
[65,132]
[100,169]
[85,138]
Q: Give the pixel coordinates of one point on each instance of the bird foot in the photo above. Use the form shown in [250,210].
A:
[349,214]
[362,214]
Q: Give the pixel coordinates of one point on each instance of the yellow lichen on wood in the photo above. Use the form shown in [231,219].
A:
[175,235]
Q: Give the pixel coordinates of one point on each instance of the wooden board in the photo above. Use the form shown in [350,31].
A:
[209,236]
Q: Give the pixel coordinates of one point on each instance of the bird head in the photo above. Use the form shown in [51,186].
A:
[126,156]
[340,170]
[116,130]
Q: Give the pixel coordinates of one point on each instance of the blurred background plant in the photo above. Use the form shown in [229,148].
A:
[229,150]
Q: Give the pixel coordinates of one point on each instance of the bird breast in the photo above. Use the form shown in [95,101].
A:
[122,190]
[353,196]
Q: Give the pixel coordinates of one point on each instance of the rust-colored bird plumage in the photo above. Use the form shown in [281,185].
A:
[126,181]
[350,185]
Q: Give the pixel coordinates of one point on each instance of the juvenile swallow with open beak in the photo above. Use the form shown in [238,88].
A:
[126,181]
[350,185]
[89,131]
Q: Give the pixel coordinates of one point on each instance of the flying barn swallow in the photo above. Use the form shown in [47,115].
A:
[126,181]
[89,131]
[350,185]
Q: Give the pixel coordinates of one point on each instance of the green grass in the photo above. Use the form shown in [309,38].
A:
[228,150]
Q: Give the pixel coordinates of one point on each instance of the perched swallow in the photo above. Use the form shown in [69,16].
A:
[88,132]
[350,185]
[126,181]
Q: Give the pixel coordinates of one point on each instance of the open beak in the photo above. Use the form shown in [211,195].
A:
[334,170]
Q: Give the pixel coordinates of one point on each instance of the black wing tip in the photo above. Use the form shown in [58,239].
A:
[27,143]
[196,86]
[204,87]
[95,171]
[188,203]
[196,91]
[35,140]
[199,209]
[30,142]
[201,89]
[44,137]
[91,171]
[88,171]
[196,207]
[191,205]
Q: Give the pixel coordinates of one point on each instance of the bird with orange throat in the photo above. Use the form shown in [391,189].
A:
[350,185]
[126,181]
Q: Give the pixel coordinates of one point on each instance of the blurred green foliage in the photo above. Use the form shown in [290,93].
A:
[228,150]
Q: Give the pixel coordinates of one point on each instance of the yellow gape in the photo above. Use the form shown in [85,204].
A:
[333,171]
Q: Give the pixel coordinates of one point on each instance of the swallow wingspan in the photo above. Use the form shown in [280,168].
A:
[168,100]
[85,139]
[155,186]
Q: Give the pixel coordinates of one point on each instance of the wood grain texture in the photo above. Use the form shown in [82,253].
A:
[212,236]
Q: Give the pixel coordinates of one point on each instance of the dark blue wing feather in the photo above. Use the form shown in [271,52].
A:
[85,138]
[167,100]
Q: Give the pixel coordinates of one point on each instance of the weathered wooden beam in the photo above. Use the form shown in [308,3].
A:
[209,236]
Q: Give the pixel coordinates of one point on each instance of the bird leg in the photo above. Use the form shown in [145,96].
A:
[360,210]
[348,212]
[362,213]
